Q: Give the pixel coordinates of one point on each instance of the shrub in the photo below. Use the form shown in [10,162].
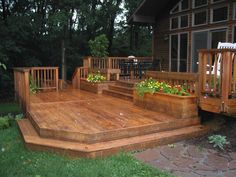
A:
[4,123]
[218,141]
[99,46]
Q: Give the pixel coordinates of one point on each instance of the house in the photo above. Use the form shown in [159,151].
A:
[181,27]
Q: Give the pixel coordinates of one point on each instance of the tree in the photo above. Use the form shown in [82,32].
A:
[99,46]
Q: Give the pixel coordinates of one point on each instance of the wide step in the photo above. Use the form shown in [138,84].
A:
[122,89]
[118,94]
[101,149]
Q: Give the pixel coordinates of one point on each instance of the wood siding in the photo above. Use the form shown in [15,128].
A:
[162,32]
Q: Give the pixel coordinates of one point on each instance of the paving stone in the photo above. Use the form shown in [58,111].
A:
[184,162]
[202,167]
[230,173]
[148,155]
[195,152]
[163,165]
[185,174]
[233,155]
[207,173]
[172,153]
[217,162]
[232,165]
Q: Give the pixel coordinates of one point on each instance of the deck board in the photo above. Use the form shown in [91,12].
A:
[87,117]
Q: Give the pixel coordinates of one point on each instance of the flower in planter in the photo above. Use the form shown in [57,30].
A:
[152,86]
[95,78]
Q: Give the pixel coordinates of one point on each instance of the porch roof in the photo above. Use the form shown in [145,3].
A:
[149,10]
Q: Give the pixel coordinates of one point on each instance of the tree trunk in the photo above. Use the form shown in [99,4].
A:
[63,60]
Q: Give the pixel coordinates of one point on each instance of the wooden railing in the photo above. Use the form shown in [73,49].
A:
[217,79]
[128,66]
[188,80]
[45,77]
[80,73]
[22,89]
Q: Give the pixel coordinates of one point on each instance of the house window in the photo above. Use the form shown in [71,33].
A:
[174,23]
[234,33]
[179,52]
[184,21]
[181,6]
[219,14]
[185,5]
[200,18]
[199,3]
[215,1]
[234,15]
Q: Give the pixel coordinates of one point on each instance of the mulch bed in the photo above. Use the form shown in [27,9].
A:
[228,129]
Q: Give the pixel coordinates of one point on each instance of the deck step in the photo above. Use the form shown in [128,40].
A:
[122,89]
[35,142]
[124,132]
[117,94]
[125,83]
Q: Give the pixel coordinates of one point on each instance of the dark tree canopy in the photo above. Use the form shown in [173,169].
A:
[34,33]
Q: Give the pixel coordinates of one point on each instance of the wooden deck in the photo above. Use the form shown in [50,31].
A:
[71,120]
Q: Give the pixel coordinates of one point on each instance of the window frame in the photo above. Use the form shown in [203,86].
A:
[234,11]
[171,23]
[212,2]
[233,32]
[180,21]
[193,6]
[193,18]
[212,14]
[178,54]
[179,4]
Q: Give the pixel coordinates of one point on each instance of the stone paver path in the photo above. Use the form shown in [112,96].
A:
[190,161]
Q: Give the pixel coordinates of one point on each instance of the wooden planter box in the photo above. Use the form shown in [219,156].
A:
[93,87]
[173,105]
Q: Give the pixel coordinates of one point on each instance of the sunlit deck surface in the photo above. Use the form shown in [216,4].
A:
[91,116]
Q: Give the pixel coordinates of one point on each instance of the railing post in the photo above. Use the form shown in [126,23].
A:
[56,78]
[225,80]
[200,71]
[109,63]
[27,91]
[89,62]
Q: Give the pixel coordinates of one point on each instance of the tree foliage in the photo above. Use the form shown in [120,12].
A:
[32,32]
[99,46]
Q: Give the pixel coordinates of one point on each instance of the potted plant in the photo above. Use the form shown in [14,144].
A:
[95,83]
[165,98]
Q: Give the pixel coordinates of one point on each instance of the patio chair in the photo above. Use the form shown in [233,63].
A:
[222,45]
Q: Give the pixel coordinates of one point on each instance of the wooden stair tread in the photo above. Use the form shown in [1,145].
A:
[78,135]
[117,92]
[119,86]
[133,143]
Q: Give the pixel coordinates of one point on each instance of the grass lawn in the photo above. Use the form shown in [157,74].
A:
[9,108]
[16,161]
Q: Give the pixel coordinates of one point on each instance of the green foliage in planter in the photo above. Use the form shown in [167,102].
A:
[95,77]
[152,86]
[218,141]
[99,46]
[33,86]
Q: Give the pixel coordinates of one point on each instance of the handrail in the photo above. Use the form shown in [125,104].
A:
[45,77]
[217,76]
[79,73]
